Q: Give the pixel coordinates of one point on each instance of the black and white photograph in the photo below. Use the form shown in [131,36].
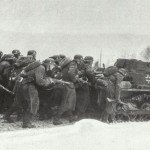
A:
[74,74]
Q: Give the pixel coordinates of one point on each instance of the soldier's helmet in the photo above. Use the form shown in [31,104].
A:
[78,56]
[61,56]
[110,71]
[55,57]
[49,61]
[8,57]
[31,52]
[64,62]
[16,52]
[88,59]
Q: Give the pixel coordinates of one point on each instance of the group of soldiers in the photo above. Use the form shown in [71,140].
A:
[56,87]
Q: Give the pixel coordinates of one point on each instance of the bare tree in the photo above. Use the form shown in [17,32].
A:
[146,53]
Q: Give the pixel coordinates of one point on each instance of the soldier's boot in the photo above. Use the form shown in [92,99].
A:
[72,118]
[104,117]
[56,119]
[27,120]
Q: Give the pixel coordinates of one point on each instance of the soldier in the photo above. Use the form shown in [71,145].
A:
[78,60]
[56,58]
[32,53]
[68,102]
[26,96]
[80,63]
[89,71]
[6,66]
[16,53]
[113,78]
[120,75]
[61,56]
[88,60]
[82,87]
[15,77]
[46,96]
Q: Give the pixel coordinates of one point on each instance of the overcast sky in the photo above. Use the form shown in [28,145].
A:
[85,25]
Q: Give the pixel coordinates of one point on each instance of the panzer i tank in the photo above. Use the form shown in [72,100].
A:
[134,91]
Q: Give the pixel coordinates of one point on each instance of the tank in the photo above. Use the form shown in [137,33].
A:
[133,101]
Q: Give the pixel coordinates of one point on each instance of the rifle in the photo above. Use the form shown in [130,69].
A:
[6,90]
[82,81]
[61,82]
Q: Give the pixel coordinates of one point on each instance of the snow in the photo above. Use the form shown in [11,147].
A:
[86,134]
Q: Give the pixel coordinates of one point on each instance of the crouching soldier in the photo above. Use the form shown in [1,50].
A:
[68,102]
[113,78]
[82,87]
[20,64]
[26,93]
[89,71]
[49,96]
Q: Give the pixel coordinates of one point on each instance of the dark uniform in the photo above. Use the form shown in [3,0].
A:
[82,87]
[15,75]
[69,72]
[88,60]
[48,97]
[6,66]
[68,102]
[27,93]
[113,79]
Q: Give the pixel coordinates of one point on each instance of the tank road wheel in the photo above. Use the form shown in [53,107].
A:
[146,107]
[140,118]
[144,117]
[132,117]
[122,117]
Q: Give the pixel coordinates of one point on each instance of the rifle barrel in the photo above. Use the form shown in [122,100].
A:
[6,90]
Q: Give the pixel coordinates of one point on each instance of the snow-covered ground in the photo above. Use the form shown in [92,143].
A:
[86,134]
